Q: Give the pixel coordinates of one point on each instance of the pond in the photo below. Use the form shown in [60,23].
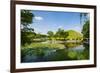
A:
[70,51]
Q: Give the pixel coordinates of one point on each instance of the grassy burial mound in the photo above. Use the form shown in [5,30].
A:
[74,35]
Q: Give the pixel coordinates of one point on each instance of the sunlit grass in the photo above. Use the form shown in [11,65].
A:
[44,45]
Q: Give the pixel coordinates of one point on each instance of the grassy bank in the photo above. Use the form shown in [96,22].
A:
[44,45]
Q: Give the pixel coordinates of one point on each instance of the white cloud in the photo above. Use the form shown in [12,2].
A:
[60,26]
[38,18]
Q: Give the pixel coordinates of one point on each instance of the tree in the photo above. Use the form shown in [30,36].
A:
[85,29]
[50,34]
[26,17]
[38,35]
[83,18]
[65,34]
[26,32]
[61,34]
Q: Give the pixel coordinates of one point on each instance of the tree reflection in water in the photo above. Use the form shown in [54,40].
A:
[73,51]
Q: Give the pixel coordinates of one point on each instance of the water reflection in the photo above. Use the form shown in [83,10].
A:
[73,51]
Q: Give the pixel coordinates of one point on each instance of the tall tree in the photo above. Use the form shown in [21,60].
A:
[61,34]
[83,18]
[85,29]
[85,22]
[26,32]
[26,17]
[50,34]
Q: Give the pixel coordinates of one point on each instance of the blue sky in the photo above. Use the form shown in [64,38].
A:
[50,21]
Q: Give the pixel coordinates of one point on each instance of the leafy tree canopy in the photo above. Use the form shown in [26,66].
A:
[85,29]
[26,17]
[50,33]
[27,33]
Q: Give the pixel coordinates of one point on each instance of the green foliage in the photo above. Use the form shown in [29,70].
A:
[74,35]
[65,35]
[85,29]
[72,55]
[38,35]
[50,34]
[61,34]
[59,55]
[71,45]
[26,33]
[46,45]
[52,52]
[26,17]
[26,37]
[83,17]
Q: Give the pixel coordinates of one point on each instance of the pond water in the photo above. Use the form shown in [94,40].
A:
[73,51]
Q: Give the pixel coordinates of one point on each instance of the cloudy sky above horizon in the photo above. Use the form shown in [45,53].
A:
[51,21]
